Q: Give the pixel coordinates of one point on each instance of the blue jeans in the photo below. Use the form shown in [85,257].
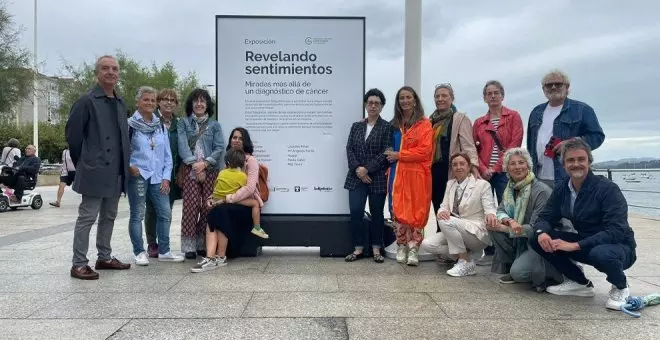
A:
[138,189]
[357,199]
[498,183]
[611,259]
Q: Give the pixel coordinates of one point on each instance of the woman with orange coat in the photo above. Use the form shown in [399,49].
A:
[411,187]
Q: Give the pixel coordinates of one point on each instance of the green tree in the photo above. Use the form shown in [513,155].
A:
[132,76]
[16,77]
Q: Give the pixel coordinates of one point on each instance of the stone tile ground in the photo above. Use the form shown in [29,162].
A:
[286,294]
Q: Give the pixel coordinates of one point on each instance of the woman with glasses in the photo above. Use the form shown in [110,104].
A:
[410,176]
[167,103]
[366,177]
[201,146]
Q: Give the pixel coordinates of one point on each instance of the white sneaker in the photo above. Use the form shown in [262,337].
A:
[413,260]
[617,298]
[463,268]
[572,288]
[402,254]
[205,265]
[169,257]
[142,259]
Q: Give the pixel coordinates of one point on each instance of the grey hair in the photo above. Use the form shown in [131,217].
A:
[13,143]
[98,61]
[496,84]
[520,152]
[144,89]
[447,87]
[576,143]
[556,72]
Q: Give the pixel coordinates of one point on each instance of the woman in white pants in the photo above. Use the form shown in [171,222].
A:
[467,208]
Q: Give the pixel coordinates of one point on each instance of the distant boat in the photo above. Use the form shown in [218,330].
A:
[631,178]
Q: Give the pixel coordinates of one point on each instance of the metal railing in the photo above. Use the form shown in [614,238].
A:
[631,177]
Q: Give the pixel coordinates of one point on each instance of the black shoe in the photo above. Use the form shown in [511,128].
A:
[201,253]
[191,255]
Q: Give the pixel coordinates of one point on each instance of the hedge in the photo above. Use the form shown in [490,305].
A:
[51,138]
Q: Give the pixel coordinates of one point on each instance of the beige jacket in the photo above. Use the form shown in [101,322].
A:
[462,139]
[477,202]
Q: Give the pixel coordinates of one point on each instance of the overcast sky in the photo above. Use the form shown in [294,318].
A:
[610,49]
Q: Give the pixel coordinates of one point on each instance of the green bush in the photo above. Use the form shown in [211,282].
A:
[51,138]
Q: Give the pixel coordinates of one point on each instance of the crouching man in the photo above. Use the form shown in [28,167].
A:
[599,213]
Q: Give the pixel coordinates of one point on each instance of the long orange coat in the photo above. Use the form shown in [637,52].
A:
[411,190]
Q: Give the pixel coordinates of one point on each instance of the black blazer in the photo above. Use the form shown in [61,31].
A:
[369,153]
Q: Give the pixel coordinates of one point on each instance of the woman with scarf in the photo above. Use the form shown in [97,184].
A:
[151,169]
[523,199]
[201,147]
[452,133]
[411,179]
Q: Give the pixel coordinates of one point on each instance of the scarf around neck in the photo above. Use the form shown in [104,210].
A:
[517,207]
[440,122]
[138,123]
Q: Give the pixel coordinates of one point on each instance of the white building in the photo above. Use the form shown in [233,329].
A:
[48,103]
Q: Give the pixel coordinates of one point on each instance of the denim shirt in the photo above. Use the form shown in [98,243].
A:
[576,119]
[154,164]
[212,142]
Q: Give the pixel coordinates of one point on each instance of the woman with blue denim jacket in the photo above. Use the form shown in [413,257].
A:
[151,170]
[201,147]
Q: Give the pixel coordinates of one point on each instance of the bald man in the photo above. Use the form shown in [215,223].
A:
[27,167]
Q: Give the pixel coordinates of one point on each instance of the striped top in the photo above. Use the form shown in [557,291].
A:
[495,153]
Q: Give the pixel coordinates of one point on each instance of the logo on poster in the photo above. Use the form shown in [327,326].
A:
[316,41]
[280,189]
[324,189]
[298,188]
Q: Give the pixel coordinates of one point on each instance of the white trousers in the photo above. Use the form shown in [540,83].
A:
[453,239]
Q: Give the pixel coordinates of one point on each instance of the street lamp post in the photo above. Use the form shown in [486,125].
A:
[35,103]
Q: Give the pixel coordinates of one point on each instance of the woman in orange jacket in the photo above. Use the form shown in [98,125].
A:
[411,188]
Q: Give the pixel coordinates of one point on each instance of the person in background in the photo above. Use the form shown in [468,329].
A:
[167,104]
[367,175]
[523,200]
[599,213]
[9,152]
[411,186]
[150,168]
[556,121]
[466,211]
[201,147]
[27,168]
[67,176]
[97,135]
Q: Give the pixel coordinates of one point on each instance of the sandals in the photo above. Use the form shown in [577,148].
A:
[378,258]
[353,257]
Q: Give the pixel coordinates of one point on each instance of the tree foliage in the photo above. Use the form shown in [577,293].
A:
[16,77]
[132,76]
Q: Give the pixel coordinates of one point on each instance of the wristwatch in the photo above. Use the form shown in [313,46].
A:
[539,232]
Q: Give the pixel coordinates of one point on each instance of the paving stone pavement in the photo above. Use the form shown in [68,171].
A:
[286,293]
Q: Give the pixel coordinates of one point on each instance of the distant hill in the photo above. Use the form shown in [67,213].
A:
[630,163]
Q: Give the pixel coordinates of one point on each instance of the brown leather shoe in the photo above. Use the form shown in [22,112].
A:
[84,273]
[112,264]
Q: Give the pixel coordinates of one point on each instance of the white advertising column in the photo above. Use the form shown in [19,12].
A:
[296,84]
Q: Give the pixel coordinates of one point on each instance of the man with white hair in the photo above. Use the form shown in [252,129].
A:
[554,122]
[97,134]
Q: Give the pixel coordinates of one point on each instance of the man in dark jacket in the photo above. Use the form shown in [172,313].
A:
[97,133]
[599,212]
[27,168]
